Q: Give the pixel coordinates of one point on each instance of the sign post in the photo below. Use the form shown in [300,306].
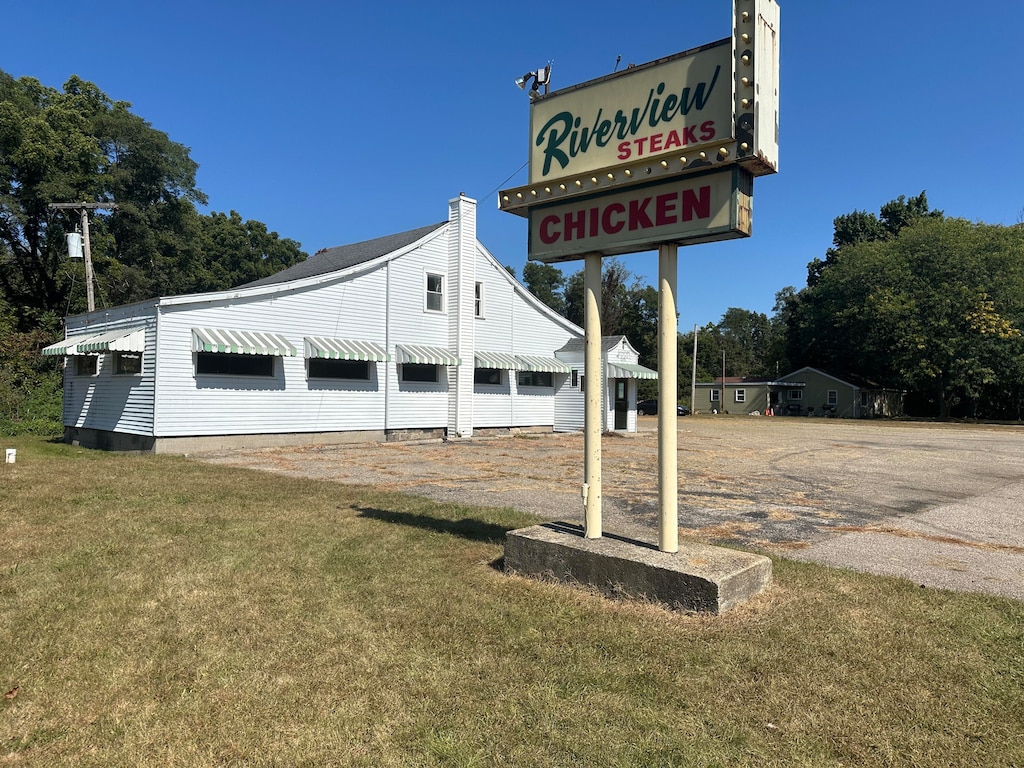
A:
[659,155]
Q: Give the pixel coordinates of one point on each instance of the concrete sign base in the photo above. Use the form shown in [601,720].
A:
[698,577]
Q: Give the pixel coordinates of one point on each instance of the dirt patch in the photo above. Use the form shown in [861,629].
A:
[768,482]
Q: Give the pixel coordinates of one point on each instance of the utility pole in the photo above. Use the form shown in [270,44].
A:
[85,208]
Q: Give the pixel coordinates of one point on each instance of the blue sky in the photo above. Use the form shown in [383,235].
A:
[338,122]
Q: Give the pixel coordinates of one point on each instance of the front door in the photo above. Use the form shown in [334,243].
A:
[621,405]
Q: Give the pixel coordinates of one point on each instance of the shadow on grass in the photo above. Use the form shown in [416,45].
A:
[467,528]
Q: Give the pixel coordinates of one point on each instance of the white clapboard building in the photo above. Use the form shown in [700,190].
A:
[422,334]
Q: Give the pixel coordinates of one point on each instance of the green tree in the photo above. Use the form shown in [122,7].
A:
[936,308]
[79,145]
[546,283]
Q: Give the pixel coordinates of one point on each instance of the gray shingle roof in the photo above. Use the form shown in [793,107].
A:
[344,256]
[577,345]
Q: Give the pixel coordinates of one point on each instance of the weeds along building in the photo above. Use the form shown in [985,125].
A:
[421,334]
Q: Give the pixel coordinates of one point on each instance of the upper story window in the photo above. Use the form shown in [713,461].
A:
[435,292]
[478,306]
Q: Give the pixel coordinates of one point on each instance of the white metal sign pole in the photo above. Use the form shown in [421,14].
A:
[668,475]
[592,375]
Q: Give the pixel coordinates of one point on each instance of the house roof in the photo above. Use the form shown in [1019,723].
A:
[345,256]
[608,343]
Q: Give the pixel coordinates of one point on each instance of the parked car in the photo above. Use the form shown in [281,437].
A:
[650,408]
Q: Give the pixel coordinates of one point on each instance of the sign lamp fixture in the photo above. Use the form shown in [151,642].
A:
[540,77]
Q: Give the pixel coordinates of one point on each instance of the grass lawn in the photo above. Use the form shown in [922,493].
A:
[161,612]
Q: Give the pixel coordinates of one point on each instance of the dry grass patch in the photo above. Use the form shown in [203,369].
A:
[156,611]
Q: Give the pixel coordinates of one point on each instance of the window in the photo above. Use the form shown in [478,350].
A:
[227,364]
[833,397]
[487,376]
[715,395]
[419,372]
[796,394]
[575,378]
[330,368]
[583,383]
[535,379]
[127,363]
[435,292]
[86,365]
[478,307]
[741,395]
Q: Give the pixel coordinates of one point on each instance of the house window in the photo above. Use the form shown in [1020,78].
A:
[575,378]
[127,363]
[329,368]
[435,292]
[833,397]
[535,379]
[227,364]
[487,376]
[741,395]
[478,306]
[583,383]
[419,372]
[715,395]
[86,365]
[796,394]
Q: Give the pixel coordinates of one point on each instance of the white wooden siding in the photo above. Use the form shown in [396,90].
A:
[107,401]
[287,402]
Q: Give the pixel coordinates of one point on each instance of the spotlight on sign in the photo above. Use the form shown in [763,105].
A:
[540,77]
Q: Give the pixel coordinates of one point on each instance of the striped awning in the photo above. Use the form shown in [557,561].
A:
[630,371]
[542,364]
[419,353]
[345,349]
[241,342]
[122,340]
[68,346]
[499,360]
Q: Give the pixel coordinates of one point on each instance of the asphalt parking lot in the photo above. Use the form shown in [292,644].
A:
[940,504]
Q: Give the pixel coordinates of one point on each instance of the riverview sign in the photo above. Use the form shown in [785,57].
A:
[708,108]
[693,208]
[675,106]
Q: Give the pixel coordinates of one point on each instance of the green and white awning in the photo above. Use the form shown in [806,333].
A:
[122,340]
[345,349]
[68,346]
[498,360]
[542,364]
[241,342]
[630,371]
[424,355]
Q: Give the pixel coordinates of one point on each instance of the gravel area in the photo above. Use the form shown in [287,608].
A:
[876,495]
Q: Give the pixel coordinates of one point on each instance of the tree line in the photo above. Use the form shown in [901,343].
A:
[909,299]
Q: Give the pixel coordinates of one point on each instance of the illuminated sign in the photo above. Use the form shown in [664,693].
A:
[715,205]
[675,105]
[710,107]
